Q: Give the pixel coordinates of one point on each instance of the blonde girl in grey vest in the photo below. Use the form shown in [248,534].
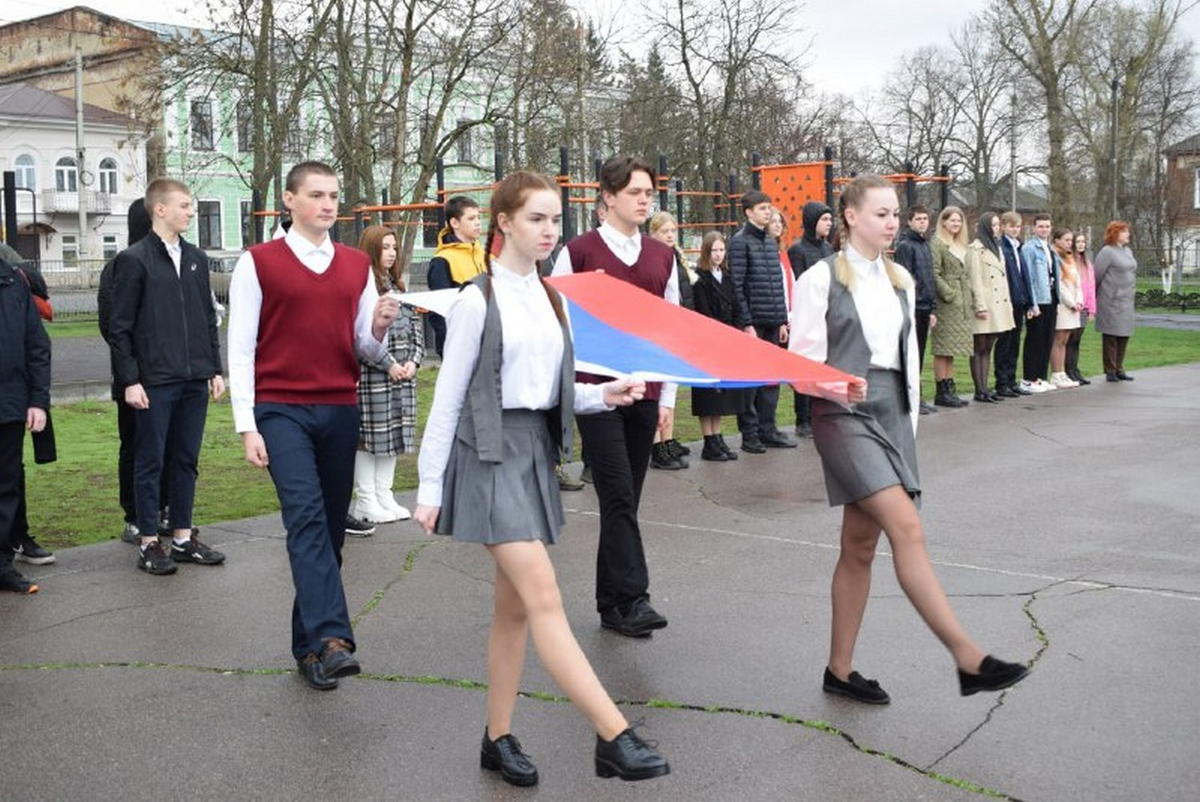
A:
[501,412]
[854,311]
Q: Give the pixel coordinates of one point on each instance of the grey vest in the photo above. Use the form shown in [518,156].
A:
[847,347]
[479,423]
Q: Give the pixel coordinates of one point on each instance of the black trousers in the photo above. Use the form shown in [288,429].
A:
[1008,346]
[922,335]
[759,422]
[1039,337]
[12,441]
[177,412]
[618,451]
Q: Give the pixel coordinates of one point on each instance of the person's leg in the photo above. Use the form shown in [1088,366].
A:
[1074,338]
[12,442]
[1008,345]
[1058,351]
[126,432]
[1108,350]
[943,367]
[985,357]
[1035,335]
[291,433]
[977,378]
[1050,316]
[850,588]
[151,430]
[604,435]
[528,570]
[506,655]
[922,336]
[186,435]
[1121,344]
[335,440]
[894,512]
[747,420]
[766,400]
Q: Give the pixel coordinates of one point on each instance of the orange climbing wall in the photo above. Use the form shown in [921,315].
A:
[790,187]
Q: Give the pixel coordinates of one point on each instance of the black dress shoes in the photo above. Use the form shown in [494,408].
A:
[1123,376]
[778,440]
[1007,392]
[858,688]
[983,397]
[309,668]
[1112,377]
[994,675]
[752,445]
[629,757]
[337,660]
[637,619]
[505,756]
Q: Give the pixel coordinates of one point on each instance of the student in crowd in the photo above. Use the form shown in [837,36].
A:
[301,309]
[812,247]
[913,251]
[714,298]
[856,315]
[1116,281]
[459,255]
[24,401]
[762,310]
[617,443]
[502,408]
[1087,287]
[1043,266]
[1008,344]
[166,354]
[993,308]
[953,335]
[387,391]
[1070,302]
[667,453]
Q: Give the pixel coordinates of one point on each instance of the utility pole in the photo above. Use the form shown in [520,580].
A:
[1012,152]
[1113,149]
[79,150]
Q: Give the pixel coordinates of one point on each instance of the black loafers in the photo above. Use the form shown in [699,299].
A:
[629,757]
[337,660]
[994,675]
[505,756]
[636,619]
[753,446]
[1123,376]
[310,670]
[857,688]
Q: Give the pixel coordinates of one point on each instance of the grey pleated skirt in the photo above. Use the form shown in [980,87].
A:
[869,447]
[516,499]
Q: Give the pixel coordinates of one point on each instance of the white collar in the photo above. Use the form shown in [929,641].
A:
[862,265]
[302,245]
[618,239]
[513,279]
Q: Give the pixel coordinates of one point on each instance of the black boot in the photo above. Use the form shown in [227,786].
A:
[962,402]
[729,452]
[661,458]
[944,397]
[677,450]
[712,450]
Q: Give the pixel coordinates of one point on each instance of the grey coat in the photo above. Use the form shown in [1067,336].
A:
[1116,275]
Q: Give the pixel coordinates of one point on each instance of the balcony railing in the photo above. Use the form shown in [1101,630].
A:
[93,202]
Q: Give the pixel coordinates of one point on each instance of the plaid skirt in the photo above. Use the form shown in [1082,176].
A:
[388,410]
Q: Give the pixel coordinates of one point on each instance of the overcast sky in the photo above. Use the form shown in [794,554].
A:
[854,42]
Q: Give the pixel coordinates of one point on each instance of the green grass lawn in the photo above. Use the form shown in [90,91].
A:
[74,327]
[74,501]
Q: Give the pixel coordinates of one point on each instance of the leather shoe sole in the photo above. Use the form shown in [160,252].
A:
[337,661]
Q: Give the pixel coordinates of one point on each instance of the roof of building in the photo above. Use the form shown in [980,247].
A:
[1189,145]
[30,103]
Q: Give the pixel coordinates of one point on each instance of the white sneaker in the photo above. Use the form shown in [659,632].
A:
[1039,386]
[369,510]
[1061,382]
[387,501]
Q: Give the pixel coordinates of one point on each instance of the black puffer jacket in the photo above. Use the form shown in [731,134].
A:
[913,252]
[163,327]
[810,249]
[757,278]
[24,350]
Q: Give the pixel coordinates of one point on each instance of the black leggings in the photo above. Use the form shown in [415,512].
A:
[981,360]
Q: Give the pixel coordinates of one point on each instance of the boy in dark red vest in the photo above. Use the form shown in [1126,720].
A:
[618,442]
[302,308]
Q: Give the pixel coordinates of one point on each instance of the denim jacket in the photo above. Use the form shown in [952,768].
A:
[1040,272]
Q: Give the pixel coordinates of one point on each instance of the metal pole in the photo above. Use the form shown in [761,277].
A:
[256,206]
[679,206]
[441,192]
[662,184]
[10,207]
[829,177]
[597,165]
[945,174]
[564,169]
[734,206]
[717,189]
[910,186]
[756,176]
[1113,149]
[79,152]
[1012,154]
[498,165]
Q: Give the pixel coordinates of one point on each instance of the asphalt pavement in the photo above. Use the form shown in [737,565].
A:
[1063,526]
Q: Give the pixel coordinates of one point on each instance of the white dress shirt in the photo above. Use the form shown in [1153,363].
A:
[530,368]
[628,249]
[245,307]
[879,313]
[175,251]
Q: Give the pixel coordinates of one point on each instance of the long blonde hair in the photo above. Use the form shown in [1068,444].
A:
[852,197]
[953,240]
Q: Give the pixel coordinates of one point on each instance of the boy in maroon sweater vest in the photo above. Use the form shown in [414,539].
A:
[302,308]
[618,442]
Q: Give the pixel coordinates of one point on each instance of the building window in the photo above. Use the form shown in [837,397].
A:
[208,223]
[202,126]
[247,223]
[108,176]
[66,176]
[464,143]
[110,246]
[245,125]
[26,170]
[70,250]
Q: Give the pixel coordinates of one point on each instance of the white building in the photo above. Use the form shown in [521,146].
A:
[37,142]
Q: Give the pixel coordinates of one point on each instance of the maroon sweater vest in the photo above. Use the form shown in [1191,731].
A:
[305,352]
[651,272]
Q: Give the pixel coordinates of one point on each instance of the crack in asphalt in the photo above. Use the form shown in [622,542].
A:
[476,686]
[410,561]
[1044,641]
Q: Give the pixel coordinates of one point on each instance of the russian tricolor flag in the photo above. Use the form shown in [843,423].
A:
[622,330]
